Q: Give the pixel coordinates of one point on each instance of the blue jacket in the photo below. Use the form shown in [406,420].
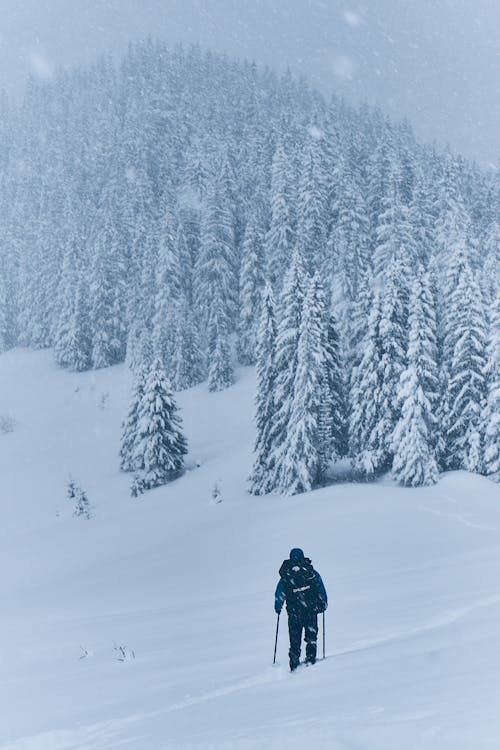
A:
[279,595]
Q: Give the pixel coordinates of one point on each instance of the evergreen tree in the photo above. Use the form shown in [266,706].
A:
[280,238]
[394,232]
[260,479]
[107,294]
[311,201]
[216,289]
[299,464]
[491,416]
[168,287]
[368,453]
[187,362]
[72,333]
[160,443]
[287,342]
[463,401]
[251,286]
[130,459]
[393,337]
[4,328]
[414,442]
[348,247]
[332,424]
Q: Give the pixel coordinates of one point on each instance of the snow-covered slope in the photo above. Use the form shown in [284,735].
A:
[413,627]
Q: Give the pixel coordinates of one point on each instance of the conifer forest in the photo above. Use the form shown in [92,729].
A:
[187,213]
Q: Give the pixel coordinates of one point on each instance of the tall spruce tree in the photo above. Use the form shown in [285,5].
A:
[311,203]
[414,440]
[187,362]
[4,324]
[332,425]
[465,389]
[251,286]
[299,465]
[287,343]
[491,416]
[393,337]
[368,452]
[260,478]
[107,302]
[280,238]
[216,287]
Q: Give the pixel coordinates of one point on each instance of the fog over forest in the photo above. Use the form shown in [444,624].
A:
[436,62]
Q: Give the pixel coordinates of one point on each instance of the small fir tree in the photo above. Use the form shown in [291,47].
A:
[130,459]
[160,445]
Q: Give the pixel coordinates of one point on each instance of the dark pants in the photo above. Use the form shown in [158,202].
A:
[298,622]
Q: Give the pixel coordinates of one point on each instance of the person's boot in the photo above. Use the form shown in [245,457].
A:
[311,653]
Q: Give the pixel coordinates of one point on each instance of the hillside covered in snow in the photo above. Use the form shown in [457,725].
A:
[149,206]
[151,624]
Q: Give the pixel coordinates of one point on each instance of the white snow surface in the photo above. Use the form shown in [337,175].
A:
[413,576]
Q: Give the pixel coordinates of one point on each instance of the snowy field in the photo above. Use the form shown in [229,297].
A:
[413,576]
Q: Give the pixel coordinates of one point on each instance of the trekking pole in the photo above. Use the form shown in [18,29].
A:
[323,635]
[276,639]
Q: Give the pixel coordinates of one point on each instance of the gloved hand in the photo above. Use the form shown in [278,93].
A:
[277,610]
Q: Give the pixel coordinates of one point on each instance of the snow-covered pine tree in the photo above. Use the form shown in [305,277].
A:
[220,368]
[464,397]
[414,439]
[280,238]
[299,463]
[311,202]
[216,286]
[348,261]
[187,362]
[72,332]
[4,326]
[160,444]
[260,477]
[107,308]
[168,286]
[251,286]
[491,415]
[422,219]
[287,342]
[394,233]
[130,459]
[366,395]
[72,347]
[332,425]
[393,337]
[490,271]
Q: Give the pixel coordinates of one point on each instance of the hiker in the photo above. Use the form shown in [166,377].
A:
[305,595]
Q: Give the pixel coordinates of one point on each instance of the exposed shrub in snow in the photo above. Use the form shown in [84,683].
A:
[6,424]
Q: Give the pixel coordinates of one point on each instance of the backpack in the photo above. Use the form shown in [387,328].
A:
[300,585]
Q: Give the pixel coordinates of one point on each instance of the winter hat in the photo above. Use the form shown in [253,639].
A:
[296,554]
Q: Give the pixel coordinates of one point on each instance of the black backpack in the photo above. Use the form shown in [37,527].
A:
[300,585]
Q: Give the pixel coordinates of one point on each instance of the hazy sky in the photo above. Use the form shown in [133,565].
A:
[435,61]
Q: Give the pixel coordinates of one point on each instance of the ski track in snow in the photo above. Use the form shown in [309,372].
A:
[459,518]
[449,617]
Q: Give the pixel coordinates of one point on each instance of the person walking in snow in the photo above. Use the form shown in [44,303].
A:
[305,595]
